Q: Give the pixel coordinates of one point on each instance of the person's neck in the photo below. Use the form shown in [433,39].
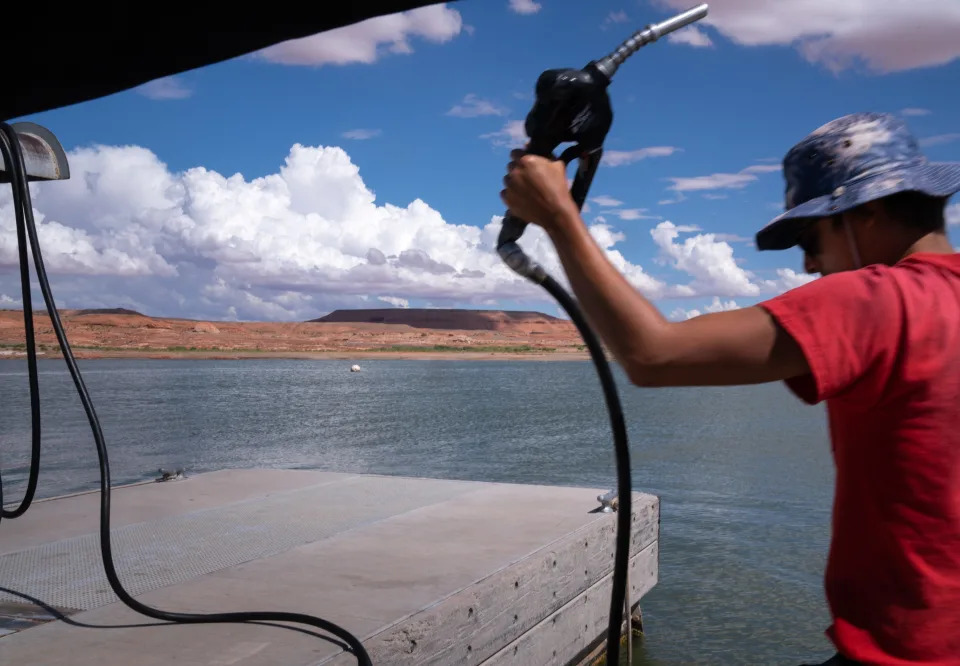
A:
[932,243]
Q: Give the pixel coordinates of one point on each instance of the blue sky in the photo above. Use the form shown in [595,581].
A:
[362,168]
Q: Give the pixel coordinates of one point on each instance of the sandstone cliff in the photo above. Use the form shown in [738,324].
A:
[119,332]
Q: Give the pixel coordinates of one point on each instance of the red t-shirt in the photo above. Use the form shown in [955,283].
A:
[883,345]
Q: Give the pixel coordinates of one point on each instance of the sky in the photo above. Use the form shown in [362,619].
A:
[362,167]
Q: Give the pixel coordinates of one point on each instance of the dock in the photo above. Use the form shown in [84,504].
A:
[423,571]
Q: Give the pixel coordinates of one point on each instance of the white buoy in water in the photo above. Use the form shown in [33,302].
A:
[354,368]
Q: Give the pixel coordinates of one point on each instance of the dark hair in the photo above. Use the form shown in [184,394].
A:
[913,209]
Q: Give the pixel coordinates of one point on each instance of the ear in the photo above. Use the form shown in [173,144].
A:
[867,214]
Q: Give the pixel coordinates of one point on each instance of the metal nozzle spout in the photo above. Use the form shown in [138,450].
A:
[651,33]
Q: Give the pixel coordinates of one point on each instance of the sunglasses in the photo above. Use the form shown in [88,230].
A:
[809,241]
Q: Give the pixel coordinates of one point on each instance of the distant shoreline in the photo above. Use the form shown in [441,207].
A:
[342,355]
[370,334]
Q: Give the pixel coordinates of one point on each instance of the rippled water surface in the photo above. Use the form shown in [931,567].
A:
[744,473]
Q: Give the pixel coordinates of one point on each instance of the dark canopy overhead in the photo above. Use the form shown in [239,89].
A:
[59,55]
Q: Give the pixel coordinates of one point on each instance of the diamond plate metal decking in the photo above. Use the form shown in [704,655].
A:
[425,571]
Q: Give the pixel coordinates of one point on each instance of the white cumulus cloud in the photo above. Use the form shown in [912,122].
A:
[615,158]
[633,214]
[512,135]
[126,231]
[717,181]
[524,6]
[168,87]
[473,106]
[953,214]
[304,240]
[691,36]
[708,261]
[395,301]
[615,17]
[361,134]
[716,305]
[364,42]
[605,200]
[938,139]
[886,36]
[789,279]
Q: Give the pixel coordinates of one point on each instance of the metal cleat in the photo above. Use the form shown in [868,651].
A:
[608,502]
[167,475]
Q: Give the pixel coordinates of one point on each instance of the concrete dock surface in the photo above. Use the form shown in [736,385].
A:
[423,571]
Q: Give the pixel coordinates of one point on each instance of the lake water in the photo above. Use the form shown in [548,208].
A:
[744,473]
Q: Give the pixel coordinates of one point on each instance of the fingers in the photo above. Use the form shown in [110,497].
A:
[516,157]
[511,166]
[505,198]
[514,162]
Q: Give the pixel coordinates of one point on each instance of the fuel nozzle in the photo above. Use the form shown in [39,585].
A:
[609,64]
[572,105]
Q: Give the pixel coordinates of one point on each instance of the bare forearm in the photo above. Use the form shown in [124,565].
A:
[630,326]
[743,346]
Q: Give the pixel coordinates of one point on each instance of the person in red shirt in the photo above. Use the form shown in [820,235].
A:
[877,337]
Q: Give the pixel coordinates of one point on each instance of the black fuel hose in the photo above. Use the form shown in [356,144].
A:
[514,256]
[26,227]
[622,450]
[32,374]
[13,157]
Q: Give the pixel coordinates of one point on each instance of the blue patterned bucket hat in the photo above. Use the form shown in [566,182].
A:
[849,161]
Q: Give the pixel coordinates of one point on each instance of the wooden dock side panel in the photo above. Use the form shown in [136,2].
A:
[555,600]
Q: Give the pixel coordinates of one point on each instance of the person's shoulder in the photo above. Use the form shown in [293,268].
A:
[848,296]
[926,275]
[875,276]
[947,264]
[841,284]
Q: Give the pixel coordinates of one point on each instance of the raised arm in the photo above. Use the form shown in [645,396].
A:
[743,346]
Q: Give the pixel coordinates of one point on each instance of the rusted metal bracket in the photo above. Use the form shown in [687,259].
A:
[42,154]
